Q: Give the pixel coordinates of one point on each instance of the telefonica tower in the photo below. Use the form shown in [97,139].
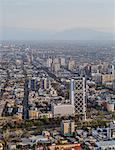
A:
[78,96]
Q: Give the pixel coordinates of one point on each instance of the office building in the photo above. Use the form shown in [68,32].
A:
[78,96]
[67,127]
[62,61]
[72,91]
[44,83]
[49,63]
[71,64]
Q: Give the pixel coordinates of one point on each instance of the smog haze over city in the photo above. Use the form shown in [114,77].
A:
[57,19]
[57,74]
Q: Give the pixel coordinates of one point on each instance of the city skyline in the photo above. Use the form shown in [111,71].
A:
[57,74]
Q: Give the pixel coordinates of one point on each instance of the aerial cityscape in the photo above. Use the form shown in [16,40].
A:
[58,95]
[57,89]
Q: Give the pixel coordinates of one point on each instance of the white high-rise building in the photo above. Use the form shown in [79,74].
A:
[113,71]
[49,62]
[71,64]
[55,65]
[78,96]
[62,61]
[72,91]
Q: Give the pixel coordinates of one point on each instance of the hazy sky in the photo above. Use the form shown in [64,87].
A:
[58,14]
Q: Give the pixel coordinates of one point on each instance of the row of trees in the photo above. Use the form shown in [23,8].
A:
[45,121]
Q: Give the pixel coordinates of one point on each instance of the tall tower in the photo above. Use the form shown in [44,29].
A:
[78,96]
[72,91]
[113,70]
[25,101]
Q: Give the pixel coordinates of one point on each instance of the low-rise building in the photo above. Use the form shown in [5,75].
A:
[63,110]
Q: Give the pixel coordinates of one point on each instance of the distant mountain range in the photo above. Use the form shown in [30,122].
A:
[70,34]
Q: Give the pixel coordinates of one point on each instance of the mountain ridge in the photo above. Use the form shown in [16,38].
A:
[69,34]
